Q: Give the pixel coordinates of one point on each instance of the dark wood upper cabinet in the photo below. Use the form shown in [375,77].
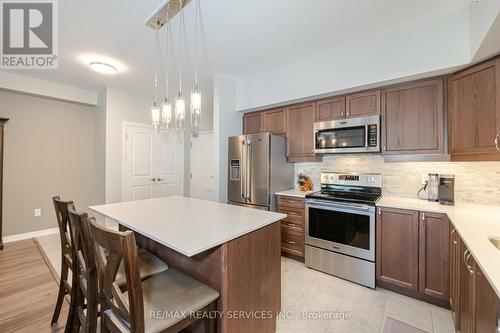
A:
[252,122]
[412,118]
[474,113]
[363,104]
[330,109]
[397,247]
[434,255]
[299,133]
[273,121]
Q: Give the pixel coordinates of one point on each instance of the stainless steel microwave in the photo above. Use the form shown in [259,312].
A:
[352,135]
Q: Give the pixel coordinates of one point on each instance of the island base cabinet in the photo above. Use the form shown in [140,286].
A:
[413,254]
[246,271]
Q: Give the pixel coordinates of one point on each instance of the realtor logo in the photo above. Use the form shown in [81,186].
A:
[29,34]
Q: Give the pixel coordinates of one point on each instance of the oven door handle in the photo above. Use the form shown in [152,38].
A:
[322,205]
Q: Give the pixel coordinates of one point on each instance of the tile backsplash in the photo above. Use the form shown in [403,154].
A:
[475,182]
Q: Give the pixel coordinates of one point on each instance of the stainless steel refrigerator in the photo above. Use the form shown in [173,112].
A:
[257,169]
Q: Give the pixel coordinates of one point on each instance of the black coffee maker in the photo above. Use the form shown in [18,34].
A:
[446,193]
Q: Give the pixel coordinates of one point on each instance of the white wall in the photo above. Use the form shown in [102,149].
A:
[483,15]
[120,106]
[226,123]
[433,45]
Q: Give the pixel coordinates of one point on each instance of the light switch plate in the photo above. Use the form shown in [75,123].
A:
[38,212]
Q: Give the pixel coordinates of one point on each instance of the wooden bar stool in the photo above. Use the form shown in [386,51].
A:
[169,291]
[65,235]
[84,308]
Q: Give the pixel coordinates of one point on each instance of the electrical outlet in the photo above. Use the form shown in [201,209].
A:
[38,212]
[425,178]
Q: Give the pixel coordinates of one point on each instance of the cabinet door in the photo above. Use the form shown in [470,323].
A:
[363,104]
[454,275]
[397,247]
[434,255]
[252,123]
[412,118]
[274,121]
[485,311]
[300,133]
[330,109]
[466,300]
[474,112]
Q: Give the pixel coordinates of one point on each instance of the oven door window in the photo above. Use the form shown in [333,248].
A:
[350,137]
[340,227]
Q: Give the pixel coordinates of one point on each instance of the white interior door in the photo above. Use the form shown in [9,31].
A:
[203,167]
[153,163]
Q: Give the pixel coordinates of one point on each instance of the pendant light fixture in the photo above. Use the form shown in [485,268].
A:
[166,113]
[195,102]
[155,110]
[180,104]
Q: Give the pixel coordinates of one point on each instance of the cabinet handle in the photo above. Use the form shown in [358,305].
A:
[290,224]
[496,142]
[423,216]
[469,268]
[379,211]
[290,242]
[467,255]
[453,237]
[342,113]
[348,113]
[384,148]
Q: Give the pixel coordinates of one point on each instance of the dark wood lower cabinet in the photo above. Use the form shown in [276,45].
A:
[434,255]
[485,319]
[454,275]
[397,248]
[413,254]
[292,227]
[466,291]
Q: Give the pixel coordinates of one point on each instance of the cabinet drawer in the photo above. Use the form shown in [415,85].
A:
[292,225]
[292,242]
[290,202]
[292,213]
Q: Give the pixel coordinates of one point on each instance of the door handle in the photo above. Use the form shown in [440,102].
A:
[249,171]
[496,142]
[243,171]
[153,179]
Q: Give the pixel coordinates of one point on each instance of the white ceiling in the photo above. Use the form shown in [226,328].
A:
[239,37]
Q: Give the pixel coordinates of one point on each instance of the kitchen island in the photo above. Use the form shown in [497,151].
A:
[232,249]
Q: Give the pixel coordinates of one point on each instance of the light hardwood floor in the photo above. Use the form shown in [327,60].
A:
[28,291]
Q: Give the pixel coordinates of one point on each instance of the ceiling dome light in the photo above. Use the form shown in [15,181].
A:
[103,67]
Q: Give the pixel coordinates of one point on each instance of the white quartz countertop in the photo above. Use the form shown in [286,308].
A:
[474,223]
[294,193]
[186,225]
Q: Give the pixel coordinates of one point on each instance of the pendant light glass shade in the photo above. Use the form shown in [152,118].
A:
[180,111]
[155,116]
[195,106]
[166,114]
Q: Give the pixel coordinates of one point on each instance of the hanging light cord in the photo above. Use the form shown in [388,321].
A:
[166,52]
[196,45]
[181,19]
[157,51]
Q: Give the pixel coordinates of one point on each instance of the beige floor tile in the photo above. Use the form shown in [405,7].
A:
[408,310]
[442,320]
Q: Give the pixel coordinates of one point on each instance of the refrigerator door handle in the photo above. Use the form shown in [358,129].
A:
[248,181]
[243,172]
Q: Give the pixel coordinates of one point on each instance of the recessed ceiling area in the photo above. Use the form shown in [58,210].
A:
[238,38]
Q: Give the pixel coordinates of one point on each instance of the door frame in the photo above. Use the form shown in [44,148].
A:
[127,124]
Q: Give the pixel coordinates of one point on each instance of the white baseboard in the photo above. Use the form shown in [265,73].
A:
[28,235]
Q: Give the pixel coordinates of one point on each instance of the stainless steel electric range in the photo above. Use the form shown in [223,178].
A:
[340,226]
